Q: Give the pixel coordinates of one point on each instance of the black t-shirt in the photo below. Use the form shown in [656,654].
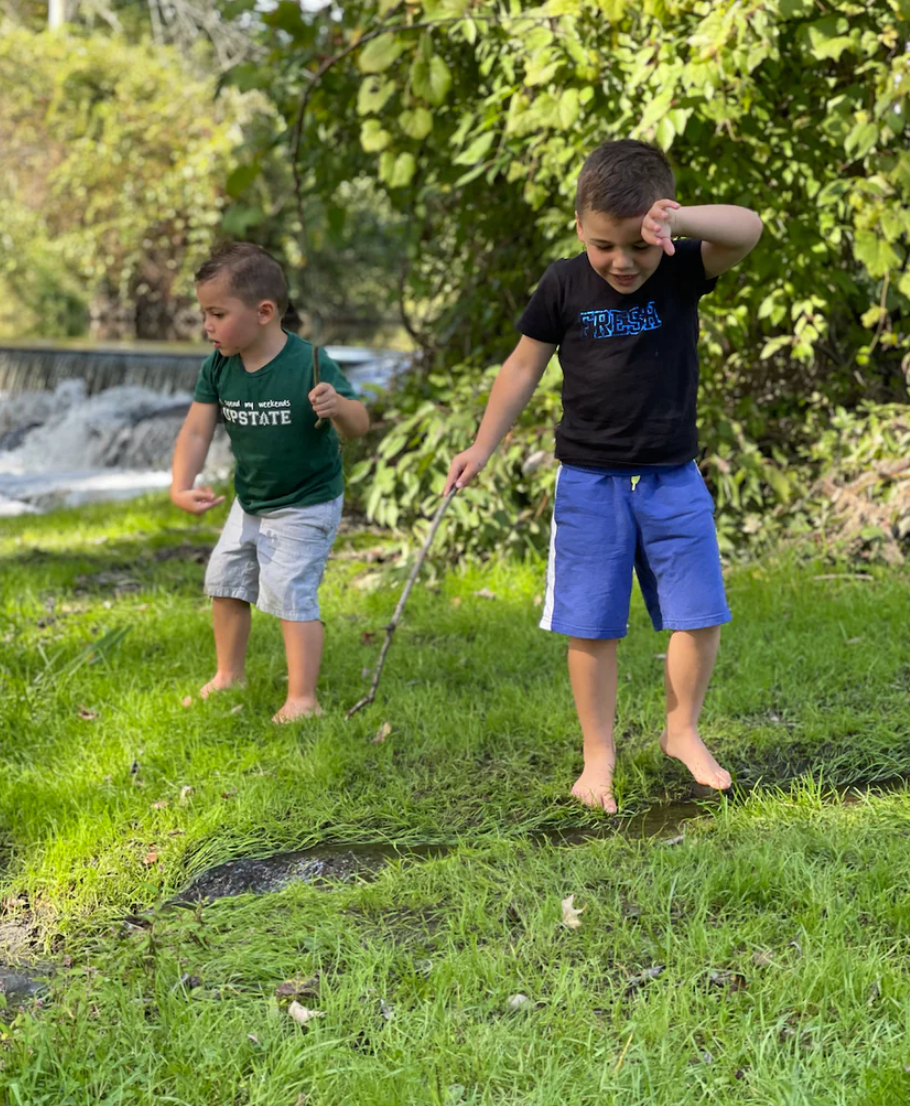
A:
[629,361]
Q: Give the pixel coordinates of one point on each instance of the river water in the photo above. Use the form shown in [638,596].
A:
[81,423]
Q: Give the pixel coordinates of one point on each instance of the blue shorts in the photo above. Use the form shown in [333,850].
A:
[604,524]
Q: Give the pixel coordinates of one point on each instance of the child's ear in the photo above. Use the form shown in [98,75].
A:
[267,312]
[578,229]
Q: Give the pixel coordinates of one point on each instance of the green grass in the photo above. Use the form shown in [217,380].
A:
[95,822]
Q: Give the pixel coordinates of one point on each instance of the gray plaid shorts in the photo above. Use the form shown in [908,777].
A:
[275,560]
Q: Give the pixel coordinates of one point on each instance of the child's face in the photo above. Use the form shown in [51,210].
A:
[231,325]
[616,249]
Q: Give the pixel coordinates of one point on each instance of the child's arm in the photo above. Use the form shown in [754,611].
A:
[727,232]
[349,416]
[519,376]
[193,443]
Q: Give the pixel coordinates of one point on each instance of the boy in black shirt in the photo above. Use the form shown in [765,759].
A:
[624,317]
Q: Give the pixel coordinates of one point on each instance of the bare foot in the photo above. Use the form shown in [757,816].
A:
[595,785]
[298,708]
[220,683]
[691,750]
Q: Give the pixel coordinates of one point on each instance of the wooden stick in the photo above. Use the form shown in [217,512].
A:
[319,422]
[390,629]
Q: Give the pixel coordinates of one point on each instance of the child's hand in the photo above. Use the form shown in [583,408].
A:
[196,500]
[657,225]
[465,467]
[326,401]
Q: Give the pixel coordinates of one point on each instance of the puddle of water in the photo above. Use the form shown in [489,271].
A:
[260,876]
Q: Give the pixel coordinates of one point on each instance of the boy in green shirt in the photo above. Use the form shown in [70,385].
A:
[284,435]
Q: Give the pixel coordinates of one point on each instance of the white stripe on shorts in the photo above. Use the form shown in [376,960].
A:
[546,619]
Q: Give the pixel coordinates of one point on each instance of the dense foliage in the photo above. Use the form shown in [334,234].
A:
[113,159]
[474,118]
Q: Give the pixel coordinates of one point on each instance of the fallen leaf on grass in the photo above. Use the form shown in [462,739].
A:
[570,916]
[762,959]
[518,1002]
[161,804]
[643,977]
[237,709]
[456,601]
[252,1037]
[730,981]
[87,715]
[386,1010]
[150,858]
[367,582]
[185,792]
[302,1015]
[485,593]
[677,840]
[382,733]
[366,638]
[298,988]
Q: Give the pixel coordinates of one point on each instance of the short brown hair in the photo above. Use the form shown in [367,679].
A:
[253,274]
[623,179]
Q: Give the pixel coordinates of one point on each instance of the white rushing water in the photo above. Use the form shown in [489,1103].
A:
[65,448]
[82,441]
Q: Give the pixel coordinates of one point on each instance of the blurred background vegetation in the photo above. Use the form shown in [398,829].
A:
[412,164]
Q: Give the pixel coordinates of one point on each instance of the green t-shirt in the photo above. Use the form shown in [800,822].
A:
[282,459]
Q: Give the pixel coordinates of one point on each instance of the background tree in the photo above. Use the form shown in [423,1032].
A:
[112,163]
[474,117]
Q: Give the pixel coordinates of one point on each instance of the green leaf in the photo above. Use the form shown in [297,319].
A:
[373,94]
[477,150]
[241,178]
[372,136]
[472,174]
[861,139]
[379,53]
[417,123]
[826,38]
[773,345]
[402,171]
[874,252]
[431,79]
[568,108]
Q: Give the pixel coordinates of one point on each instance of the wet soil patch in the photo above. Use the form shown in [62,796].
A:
[194,554]
[327,864]
[19,986]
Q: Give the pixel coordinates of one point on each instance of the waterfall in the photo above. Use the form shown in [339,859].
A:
[80,422]
[41,367]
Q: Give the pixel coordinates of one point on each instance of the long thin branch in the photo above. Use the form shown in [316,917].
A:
[390,629]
